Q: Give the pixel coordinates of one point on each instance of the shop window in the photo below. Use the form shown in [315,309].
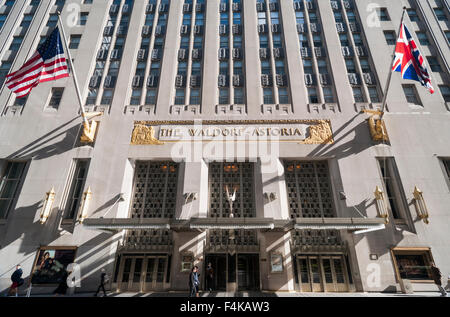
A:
[413,264]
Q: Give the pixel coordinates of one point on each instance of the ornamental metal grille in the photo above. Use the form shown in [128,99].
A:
[317,237]
[318,241]
[155,190]
[236,177]
[144,239]
[309,189]
[232,237]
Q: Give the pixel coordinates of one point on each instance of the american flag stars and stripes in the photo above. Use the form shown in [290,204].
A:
[47,63]
[408,60]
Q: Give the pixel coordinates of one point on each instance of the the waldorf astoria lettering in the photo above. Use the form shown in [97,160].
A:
[300,131]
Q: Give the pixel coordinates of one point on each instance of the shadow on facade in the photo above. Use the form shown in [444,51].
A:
[41,147]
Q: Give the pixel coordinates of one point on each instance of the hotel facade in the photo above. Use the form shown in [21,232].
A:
[242,133]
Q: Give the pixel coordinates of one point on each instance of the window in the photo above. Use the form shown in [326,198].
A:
[447,35]
[308,185]
[344,40]
[16,42]
[83,18]
[2,19]
[312,95]
[445,91]
[179,97]
[150,99]
[107,97]
[440,14]
[412,13]
[393,187]
[357,94]
[322,65]
[239,96]
[9,185]
[390,37]
[283,96]
[223,96]
[238,179]
[434,64]
[74,41]
[4,70]
[328,95]
[154,190]
[413,264]
[136,97]
[373,94]
[21,101]
[55,98]
[411,94]
[76,188]
[350,64]
[268,96]
[357,39]
[195,97]
[365,66]
[383,14]
[423,39]
[26,21]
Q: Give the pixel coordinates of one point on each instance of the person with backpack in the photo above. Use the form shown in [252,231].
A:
[103,279]
[17,280]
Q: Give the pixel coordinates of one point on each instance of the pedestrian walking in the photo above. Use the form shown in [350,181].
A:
[194,282]
[210,277]
[62,286]
[17,281]
[103,279]
[437,277]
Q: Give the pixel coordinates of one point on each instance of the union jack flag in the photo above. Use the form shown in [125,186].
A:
[409,61]
[47,63]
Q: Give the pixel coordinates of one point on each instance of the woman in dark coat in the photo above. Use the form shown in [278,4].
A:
[62,286]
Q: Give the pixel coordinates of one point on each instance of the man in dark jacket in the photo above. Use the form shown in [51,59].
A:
[194,282]
[437,276]
[103,280]
[17,280]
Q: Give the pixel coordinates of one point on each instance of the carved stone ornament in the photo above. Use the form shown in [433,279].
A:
[320,133]
[144,135]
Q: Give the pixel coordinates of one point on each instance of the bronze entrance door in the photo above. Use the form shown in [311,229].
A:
[142,273]
[248,272]
[219,278]
[233,272]
[322,273]
[131,273]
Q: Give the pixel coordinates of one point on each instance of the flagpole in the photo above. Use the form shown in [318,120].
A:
[388,83]
[74,76]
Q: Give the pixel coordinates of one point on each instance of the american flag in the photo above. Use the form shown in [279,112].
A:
[409,61]
[47,64]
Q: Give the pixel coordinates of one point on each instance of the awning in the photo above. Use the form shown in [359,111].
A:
[360,225]
[118,224]
[232,223]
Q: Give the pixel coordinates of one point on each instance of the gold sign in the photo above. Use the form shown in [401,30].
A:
[298,131]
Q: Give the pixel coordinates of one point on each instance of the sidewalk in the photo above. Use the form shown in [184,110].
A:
[249,294]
